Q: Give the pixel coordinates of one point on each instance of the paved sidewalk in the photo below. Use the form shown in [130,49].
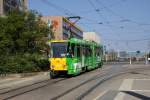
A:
[9,83]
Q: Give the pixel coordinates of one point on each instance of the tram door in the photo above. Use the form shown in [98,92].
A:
[79,59]
[83,56]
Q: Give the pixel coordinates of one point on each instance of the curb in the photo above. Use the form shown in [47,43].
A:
[137,65]
[22,75]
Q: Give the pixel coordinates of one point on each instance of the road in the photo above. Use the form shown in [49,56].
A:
[112,82]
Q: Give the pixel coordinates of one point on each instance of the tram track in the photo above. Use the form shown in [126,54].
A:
[28,88]
[22,90]
[36,85]
[101,79]
[80,97]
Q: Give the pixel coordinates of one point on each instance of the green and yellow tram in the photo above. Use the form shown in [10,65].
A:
[74,56]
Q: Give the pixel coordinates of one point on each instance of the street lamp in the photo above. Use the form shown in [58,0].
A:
[49,37]
[49,25]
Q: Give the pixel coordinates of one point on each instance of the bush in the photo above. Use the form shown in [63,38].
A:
[43,64]
[22,64]
[22,36]
[41,61]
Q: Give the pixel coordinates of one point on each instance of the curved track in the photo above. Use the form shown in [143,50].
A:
[77,91]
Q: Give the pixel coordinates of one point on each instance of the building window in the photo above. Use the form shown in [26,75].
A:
[9,5]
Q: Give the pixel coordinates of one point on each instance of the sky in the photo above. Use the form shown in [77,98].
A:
[123,25]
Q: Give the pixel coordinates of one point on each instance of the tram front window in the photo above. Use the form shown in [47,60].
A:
[59,49]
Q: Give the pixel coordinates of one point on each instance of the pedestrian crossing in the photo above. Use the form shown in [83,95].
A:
[130,89]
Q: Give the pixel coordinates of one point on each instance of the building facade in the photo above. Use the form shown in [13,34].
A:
[63,28]
[92,36]
[8,5]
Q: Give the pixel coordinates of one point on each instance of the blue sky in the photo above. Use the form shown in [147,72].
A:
[121,24]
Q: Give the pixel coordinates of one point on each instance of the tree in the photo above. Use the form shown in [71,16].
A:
[22,37]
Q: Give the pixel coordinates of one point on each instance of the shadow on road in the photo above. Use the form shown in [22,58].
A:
[137,95]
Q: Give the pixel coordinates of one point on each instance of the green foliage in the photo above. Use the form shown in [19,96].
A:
[22,37]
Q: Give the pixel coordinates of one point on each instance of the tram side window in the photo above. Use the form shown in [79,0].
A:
[68,47]
[86,51]
[78,51]
[82,50]
[98,51]
[71,47]
[89,51]
[101,51]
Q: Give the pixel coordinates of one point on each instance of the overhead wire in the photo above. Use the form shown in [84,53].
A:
[58,8]
[66,11]
[97,10]
[135,40]
[104,18]
[119,2]
[123,19]
[119,16]
[69,13]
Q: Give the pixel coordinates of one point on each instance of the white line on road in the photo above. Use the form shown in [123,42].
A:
[120,96]
[142,79]
[125,86]
[139,90]
[97,97]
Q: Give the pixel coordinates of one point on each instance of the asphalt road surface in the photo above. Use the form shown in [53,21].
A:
[112,82]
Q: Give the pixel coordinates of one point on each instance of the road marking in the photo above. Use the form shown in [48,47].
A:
[125,86]
[139,90]
[100,95]
[120,96]
[142,79]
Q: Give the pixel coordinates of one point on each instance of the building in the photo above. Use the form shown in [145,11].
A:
[8,5]
[63,28]
[111,55]
[122,54]
[91,36]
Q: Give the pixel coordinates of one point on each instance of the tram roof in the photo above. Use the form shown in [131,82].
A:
[79,41]
[74,40]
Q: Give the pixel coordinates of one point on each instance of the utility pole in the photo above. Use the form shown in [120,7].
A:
[130,60]
[130,57]
[147,54]
[49,38]
[146,58]
[49,25]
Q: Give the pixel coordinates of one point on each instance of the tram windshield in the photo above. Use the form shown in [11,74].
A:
[59,49]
